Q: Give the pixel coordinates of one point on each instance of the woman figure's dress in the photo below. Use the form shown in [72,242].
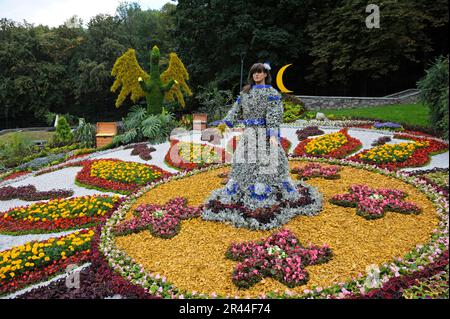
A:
[260,193]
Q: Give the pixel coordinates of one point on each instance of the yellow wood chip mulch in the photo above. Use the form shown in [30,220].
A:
[195,259]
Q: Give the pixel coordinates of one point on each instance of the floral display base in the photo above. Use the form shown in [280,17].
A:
[220,208]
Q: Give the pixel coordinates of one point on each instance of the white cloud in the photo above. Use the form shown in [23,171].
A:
[55,12]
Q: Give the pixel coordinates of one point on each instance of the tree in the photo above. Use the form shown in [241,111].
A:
[345,50]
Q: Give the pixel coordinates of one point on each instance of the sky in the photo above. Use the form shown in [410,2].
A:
[56,12]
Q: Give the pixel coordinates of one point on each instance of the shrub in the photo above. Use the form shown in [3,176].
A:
[85,134]
[13,152]
[64,133]
[292,112]
[214,102]
[434,93]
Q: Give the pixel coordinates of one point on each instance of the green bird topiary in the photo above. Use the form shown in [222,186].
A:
[153,87]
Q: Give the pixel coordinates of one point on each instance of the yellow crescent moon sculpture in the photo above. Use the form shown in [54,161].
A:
[280,83]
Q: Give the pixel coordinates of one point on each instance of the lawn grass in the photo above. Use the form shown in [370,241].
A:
[413,114]
[38,135]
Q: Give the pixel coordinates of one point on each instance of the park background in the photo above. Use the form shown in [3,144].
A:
[66,69]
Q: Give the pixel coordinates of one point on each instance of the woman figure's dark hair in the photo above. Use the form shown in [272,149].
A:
[257,67]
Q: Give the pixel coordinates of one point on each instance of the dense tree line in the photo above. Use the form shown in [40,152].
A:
[332,50]
[67,69]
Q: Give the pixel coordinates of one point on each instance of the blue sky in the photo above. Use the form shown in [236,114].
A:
[55,12]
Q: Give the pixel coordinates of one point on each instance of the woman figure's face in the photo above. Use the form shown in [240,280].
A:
[259,77]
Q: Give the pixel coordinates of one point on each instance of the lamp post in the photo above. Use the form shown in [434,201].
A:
[242,68]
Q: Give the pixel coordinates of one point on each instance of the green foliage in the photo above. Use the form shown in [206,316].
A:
[214,102]
[434,93]
[292,112]
[85,134]
[13,152]
[64,133]
[344,49]
[140,126]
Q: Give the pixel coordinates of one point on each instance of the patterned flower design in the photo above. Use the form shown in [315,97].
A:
[373,203]
[162,220]
[280,256]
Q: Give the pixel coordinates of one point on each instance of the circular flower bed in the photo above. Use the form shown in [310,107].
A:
[399,244]
[56,215]
[333,145]
[118,176]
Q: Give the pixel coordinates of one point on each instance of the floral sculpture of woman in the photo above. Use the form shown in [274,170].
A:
[260,193]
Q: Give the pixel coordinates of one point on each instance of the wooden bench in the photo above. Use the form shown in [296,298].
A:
[105,133]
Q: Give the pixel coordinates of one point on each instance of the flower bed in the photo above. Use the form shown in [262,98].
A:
[118,176]
[316,170]
[13,175]
[388,126]
[38,261]
[161,220]
[373,203]
[381,141]
[280,256]
[143,151]
[398,286]
[56,215]
[158,285]
[333,145]
[103,282]
[308,131]
[29,193]
[232,144]
[396,156]
[189,156]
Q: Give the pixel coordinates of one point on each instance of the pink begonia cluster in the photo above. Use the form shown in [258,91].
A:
[280,256]
[162,220]
[373,203]
[317,170]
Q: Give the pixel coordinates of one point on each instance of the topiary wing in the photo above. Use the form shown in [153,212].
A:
[176,71]
[127,71]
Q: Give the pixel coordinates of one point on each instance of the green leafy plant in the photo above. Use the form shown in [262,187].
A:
[292,111]
[17,148]
[139,126]
[214,102]
[85,134]
[434,93]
